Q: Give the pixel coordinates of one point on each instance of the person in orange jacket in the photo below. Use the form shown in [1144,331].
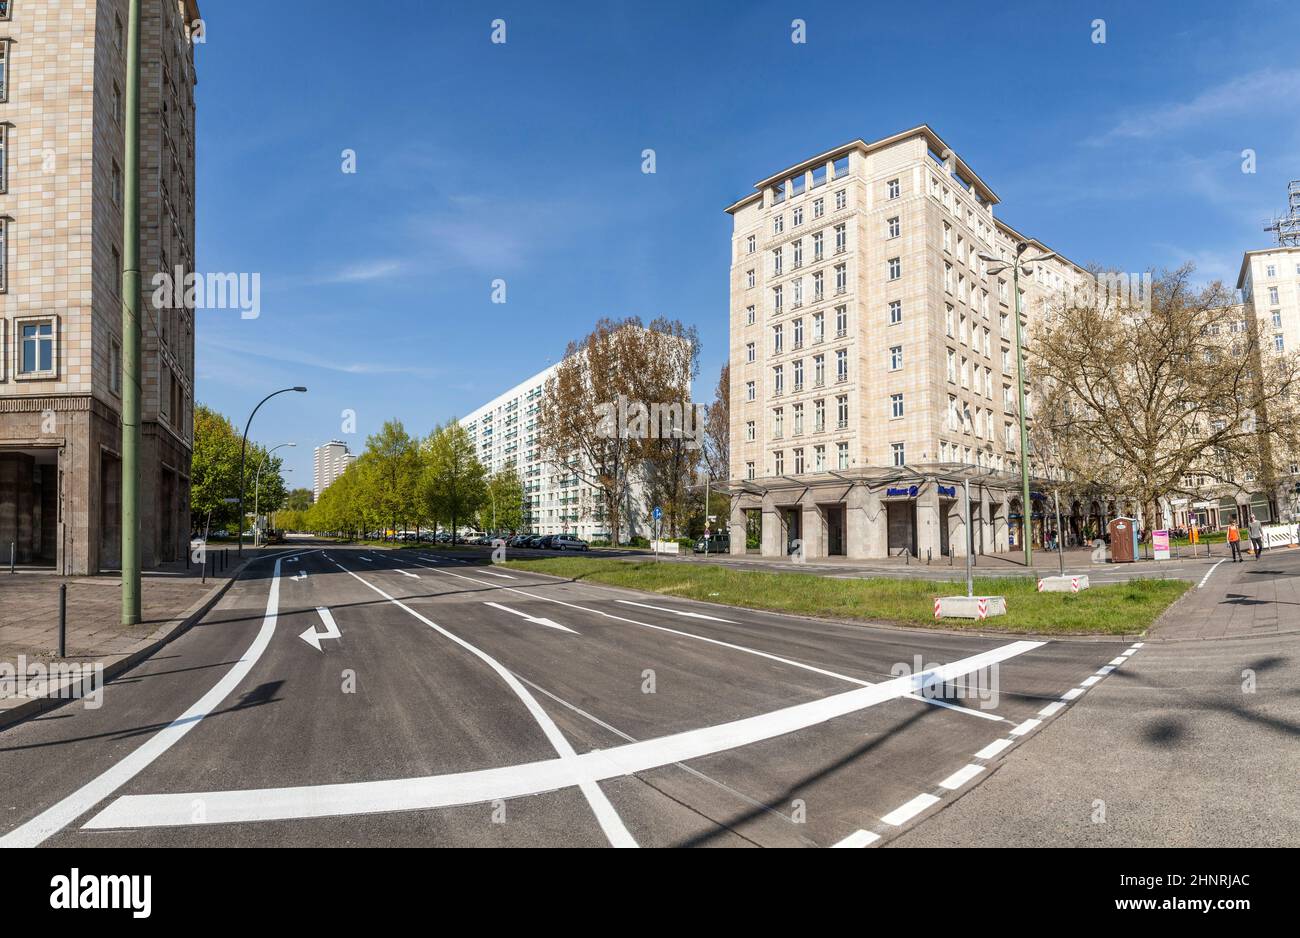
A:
[1234,542]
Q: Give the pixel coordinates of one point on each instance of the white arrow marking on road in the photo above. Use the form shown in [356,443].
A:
[314,638]
[550,623]
[689,615]
[413,576]
[302,575]
[367,560]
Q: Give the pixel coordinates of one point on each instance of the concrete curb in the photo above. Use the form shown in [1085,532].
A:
[174,628]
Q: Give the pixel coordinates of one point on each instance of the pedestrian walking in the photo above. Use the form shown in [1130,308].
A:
[1234,542]
[1256,536]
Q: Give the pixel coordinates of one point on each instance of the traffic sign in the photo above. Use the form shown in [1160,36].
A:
[657,513]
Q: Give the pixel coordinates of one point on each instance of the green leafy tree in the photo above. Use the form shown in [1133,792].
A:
[503,504]
[453,483]
[300,500]
[214,471]
[391,467]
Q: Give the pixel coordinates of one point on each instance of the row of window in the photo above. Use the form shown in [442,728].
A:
[796,293]
[797,418]
[800,466]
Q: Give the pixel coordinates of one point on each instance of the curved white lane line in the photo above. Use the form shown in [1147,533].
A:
[60,815]
[921,698]
[513,781]
[1208,572]
[610,822]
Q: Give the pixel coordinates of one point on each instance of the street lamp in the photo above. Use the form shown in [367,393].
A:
[1015,266]
[243,450]
[257,483]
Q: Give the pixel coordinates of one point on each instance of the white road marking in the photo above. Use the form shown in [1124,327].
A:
[858,839]
[1089,681]
[714,641]
[302,575]
[505,782]
[1051,708]
[1116,662]
[993,748]
[1025,727]
[366,559]
[314,638]
[961,776]
[1073,693]
[1137,645]
[549,623]
[1105,669]
[414,576]
[504,576]
[901,815]
[676,612]
[606,816]
[969,711]
[60,815]
[1206,578]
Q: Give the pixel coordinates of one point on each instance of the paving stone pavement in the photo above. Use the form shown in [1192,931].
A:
[29,610]
[1239,600]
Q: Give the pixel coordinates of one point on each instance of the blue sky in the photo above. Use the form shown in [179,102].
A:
[522,162]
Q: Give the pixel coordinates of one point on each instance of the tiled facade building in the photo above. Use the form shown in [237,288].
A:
[329,462]
[62,126]
[873,360]
[505,435]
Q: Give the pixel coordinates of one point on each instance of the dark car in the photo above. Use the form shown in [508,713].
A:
[569,542]
[546,542]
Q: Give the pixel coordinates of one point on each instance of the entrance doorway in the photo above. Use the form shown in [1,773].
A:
[793,528]
[901,519]
[835,546]
[29,506]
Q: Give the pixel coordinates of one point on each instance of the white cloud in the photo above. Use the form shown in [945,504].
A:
[304,359]
[364,272]
[1267,90]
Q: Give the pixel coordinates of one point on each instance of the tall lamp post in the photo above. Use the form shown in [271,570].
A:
[257,482]
[243,452]
[1015,266]
[131,328]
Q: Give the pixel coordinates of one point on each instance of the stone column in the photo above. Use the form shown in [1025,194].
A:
[927,522]
[773,529]
[737,526]
[814,528]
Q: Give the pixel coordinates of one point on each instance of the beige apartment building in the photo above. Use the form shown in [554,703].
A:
[62,123]
[873,359]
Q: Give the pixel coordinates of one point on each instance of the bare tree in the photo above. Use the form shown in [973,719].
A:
[616,411]
[717,428]
[1143,399]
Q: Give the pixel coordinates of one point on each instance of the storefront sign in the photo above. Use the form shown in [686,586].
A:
[948,491]
[1160,544]
[909,491]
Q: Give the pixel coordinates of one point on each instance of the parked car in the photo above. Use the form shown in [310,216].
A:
[569,542]
[714,544]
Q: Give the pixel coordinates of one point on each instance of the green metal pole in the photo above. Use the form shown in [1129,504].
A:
[1026,509]
[131,330]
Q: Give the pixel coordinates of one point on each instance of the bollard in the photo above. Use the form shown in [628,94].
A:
[63,620]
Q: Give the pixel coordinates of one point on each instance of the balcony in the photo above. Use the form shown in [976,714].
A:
[840,379]
[842,425]
[798,386]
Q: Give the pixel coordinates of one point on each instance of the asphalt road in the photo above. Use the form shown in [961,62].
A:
[439,701]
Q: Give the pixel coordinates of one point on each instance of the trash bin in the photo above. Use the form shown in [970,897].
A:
[1123,540]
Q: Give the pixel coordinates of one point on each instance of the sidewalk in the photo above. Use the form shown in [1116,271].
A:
[29,626]
[1239,600]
